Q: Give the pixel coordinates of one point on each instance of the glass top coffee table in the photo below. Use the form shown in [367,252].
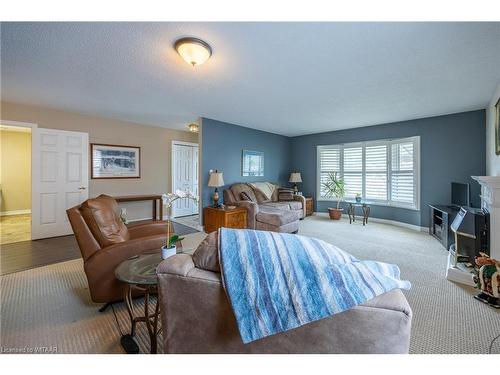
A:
[139,269]
[138,273]
[352,204]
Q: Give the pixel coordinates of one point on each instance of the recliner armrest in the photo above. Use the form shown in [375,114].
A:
[179,264]
[100,266]
[148,229]
[182,265]
[118,252]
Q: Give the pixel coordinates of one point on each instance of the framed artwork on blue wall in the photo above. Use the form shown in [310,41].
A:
[252,163]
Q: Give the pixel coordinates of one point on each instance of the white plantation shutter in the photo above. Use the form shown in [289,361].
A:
[353,171]
[383,172]
[376,173]
[329,161]
[403,187]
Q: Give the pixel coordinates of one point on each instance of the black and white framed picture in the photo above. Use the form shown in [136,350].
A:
[252,163]
[115,161]
[497,127]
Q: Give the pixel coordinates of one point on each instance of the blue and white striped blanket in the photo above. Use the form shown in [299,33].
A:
[278,281]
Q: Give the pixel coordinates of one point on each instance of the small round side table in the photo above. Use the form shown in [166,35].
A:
[351,211]
[139,273]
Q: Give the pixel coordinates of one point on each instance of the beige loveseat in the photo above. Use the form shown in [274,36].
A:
[266,214]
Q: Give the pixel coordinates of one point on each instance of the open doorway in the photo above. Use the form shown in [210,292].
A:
[185,177]
[15,183]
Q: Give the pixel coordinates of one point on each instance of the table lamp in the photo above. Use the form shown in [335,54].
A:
[294,178]
[216,181]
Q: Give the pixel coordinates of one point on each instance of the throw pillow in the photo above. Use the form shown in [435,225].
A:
[285,194]
[245,197]
[206,256]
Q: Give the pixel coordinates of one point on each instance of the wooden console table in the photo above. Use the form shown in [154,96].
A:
[156,202]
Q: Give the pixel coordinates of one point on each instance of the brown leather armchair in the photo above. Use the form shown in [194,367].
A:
[105,242]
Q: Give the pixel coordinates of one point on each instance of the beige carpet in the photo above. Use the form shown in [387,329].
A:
[446,318]
[50,306]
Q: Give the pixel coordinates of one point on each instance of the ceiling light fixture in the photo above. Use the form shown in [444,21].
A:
[193,128]
[193,50]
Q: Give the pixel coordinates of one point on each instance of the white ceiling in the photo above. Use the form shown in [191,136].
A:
[286,78]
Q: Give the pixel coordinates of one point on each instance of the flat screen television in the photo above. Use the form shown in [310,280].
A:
[460,194]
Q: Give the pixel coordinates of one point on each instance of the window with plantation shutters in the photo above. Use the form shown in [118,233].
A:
[402,173]
[376,173]
[383,172]
[353,171]
[330,163]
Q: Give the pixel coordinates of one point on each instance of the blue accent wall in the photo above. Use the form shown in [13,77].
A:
[222,146]
[452,148]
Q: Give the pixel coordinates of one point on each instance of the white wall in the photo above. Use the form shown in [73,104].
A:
[492,160]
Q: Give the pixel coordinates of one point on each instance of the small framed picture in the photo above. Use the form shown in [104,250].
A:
[115,161]
[252,163]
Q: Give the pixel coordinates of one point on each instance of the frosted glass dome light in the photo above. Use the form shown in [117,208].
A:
[193,50]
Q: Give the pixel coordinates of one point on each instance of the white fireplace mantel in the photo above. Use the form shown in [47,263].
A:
[490,200]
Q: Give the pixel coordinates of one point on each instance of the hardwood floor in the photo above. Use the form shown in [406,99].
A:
[20,256]
[15,228]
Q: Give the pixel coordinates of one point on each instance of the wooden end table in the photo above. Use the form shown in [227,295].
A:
[309,206]
[215,218]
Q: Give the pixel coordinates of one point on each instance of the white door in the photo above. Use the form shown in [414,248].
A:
[59,179]
[185,176]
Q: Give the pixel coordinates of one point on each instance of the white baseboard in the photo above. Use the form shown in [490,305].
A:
[383,221]
[16,212]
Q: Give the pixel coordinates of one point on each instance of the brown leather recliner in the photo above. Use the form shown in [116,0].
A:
[105,242]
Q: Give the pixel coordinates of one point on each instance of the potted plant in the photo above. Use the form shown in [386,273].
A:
[168,200]
[334,187]
[358,197]
[170,249]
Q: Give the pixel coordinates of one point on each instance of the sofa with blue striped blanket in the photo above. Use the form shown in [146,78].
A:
[246,291]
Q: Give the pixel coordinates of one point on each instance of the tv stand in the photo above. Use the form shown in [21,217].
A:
[441,217]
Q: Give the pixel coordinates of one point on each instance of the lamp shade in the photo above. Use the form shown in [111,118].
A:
[215,179]
[295,177]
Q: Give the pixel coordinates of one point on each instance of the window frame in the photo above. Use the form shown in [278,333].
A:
[415,206]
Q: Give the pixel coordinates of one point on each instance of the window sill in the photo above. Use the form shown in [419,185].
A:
[375,203]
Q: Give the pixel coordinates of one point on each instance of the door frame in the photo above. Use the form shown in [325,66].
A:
[172,159]
[34,127]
